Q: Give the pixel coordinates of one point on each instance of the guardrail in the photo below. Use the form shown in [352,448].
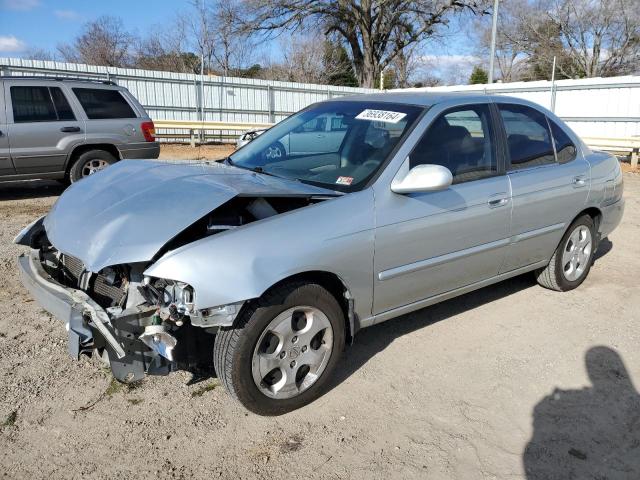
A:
[190,129]
[626,145]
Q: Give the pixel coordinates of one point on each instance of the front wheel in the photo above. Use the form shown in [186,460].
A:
[572,260]
[281,350]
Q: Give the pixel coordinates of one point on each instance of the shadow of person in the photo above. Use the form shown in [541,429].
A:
[593,433]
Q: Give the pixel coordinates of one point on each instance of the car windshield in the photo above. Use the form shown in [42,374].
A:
[338,145]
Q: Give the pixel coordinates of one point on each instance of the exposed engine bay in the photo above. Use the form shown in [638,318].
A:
[145,325]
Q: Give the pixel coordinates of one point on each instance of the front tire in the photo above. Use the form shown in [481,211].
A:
[571,262]
[282,348]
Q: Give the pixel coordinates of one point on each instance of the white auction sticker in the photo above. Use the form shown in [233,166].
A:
[381,115]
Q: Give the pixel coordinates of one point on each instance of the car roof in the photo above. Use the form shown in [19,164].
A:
[427,99]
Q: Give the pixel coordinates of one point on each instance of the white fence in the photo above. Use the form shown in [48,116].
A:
[183,96]
[593,107]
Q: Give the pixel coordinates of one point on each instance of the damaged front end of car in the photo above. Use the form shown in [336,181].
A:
[137,323]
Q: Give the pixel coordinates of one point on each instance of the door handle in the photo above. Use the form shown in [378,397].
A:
[497,202]
[579,181]
[69,129]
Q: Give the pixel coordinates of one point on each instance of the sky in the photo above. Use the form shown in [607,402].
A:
[43,24]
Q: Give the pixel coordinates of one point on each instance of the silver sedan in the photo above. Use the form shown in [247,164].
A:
[267,265]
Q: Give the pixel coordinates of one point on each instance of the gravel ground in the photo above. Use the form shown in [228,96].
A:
[508,378]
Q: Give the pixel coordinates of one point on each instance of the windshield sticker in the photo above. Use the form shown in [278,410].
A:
[381,115]
[344,180]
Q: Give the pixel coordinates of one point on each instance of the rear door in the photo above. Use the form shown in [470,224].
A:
[549,183]
[110,115]
[6,167]
[42,126]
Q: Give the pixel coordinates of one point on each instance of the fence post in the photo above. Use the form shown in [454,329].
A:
[271,104]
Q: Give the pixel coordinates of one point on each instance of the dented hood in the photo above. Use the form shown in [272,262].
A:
[127,212]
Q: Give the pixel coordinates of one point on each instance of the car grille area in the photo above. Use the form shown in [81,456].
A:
[106,292]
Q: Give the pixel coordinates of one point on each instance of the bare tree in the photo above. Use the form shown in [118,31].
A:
[200,24]
[167,50]
[602,38]
[102,42]
[589,38]
[376,31]
[38,54]
[232,45]
[510,55]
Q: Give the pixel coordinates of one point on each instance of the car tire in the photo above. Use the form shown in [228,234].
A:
[90,162]
[571,262]
[241,350]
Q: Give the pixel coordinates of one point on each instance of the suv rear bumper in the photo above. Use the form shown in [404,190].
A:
[145,150]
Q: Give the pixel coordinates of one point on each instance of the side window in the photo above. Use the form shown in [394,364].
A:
[32,104]
[101,104]
[461,140]
[528,136]
[337,124]
[565,149]
[63,109]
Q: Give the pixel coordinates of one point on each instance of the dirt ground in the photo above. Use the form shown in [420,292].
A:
[176,151]
[483,386]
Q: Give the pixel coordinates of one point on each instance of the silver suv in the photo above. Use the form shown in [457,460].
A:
[67,129]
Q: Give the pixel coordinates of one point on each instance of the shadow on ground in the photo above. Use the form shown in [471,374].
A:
[592,433]
[372,340]
[30,189]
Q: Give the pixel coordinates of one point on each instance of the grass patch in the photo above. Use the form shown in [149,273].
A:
[205,388]
[114,387]
[10,421]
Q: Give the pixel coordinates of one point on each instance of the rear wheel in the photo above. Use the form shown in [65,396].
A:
[572,260]
[89,163]
[281,350]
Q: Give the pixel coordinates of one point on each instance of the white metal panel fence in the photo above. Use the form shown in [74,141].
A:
[183,96]
[593,107]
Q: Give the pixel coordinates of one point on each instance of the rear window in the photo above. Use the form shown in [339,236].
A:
[100,104]
[39,104]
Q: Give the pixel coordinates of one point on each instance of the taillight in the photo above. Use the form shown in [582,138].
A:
[149,131]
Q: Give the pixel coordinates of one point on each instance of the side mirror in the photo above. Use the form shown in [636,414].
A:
[422,178]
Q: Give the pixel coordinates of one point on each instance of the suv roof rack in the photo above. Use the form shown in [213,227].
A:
[58,79]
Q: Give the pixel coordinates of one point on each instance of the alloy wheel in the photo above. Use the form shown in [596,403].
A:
[292,352]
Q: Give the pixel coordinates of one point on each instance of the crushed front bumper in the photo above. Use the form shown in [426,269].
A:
[89,326]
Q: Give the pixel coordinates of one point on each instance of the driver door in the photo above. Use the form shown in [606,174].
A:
[431,243]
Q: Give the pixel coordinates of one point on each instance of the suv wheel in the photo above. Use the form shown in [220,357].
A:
[89,163]
[282,348]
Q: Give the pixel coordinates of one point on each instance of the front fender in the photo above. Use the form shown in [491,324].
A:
[334,236]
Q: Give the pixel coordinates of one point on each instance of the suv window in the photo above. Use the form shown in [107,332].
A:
[528,136]
[461,140]
[100,104]
[39,104]
[565,149]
